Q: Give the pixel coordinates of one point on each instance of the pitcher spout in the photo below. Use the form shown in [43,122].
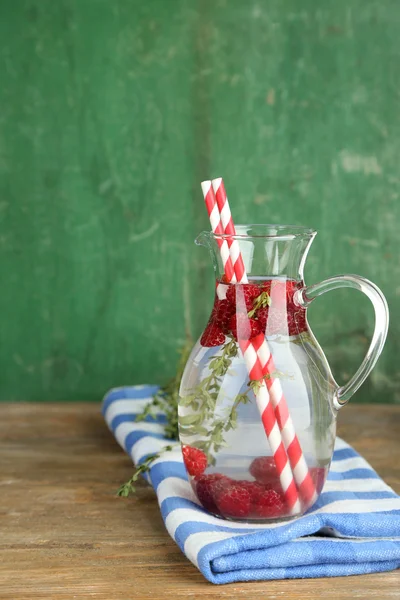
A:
[266,250]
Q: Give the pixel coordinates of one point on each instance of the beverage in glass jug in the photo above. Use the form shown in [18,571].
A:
[258,402]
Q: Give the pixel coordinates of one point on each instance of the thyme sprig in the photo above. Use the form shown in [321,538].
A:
[129,487]
[202,402]
[201,421]
[165,400]
[262,301]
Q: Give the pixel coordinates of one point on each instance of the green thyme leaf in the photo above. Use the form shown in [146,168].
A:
[128,487]
[189,419]
[262,301]
[165,399]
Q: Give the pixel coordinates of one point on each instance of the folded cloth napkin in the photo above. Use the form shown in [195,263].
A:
[353,528]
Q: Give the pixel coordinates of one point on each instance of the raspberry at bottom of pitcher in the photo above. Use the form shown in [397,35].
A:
[245,500]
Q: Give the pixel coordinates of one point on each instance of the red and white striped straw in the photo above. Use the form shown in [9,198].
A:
[216,226]
[271,426]
[264,359]
[228,228]
[295,454]
[253,365]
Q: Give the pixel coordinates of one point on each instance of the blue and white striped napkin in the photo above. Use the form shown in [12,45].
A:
[354,527]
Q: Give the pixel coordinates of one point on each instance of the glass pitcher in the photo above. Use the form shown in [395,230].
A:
[258,402]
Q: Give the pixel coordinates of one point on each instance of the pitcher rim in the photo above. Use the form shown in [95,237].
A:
[265,230]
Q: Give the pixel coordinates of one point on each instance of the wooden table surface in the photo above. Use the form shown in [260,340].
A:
[66,535]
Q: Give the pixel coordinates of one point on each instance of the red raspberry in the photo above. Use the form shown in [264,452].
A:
[251,291]
[262,317]
[243,295]
[234,502]
[244,328]
[212,336]
[208,488]
[291,287]
[297,322]
[222,313]
[254,488]
[263,469]
[231,294]
[270,504]
[195,460]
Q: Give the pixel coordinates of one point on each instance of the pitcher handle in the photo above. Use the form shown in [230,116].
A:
[306,295]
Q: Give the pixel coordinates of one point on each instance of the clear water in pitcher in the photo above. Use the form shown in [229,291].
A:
[219,417]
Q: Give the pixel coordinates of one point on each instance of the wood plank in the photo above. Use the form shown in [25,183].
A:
[66,535]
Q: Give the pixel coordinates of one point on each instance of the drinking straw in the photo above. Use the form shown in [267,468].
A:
[253,365]
[260,355]
[216,227]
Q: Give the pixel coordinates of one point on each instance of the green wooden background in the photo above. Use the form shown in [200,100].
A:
[111,113]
